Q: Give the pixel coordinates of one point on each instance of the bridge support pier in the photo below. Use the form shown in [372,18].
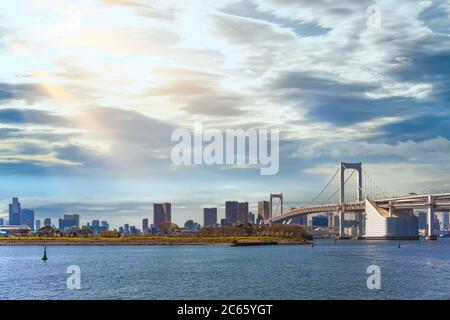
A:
[430,219]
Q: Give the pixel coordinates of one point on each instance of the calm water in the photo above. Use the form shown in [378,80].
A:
[325,271]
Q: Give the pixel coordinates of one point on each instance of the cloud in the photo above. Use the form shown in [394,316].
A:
[28,92]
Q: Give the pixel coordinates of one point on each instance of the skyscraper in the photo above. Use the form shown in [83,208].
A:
[209,217]
[263,210]
[2,221]
[162,213]
[38,224]
[14,212]
[27,218]
[231,211]
[242,212]
[145,225]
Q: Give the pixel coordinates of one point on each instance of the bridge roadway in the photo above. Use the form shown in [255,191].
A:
[439,202]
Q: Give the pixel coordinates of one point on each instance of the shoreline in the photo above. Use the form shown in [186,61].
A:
[135,241]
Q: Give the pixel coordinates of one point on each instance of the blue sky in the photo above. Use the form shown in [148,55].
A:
[91,92]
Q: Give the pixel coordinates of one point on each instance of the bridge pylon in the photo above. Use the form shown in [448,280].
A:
[344,166]
[275,195]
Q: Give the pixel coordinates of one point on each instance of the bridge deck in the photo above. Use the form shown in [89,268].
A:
[441,202]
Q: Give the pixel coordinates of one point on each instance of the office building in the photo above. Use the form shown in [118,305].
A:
[209,217]
[263,210]
[14,212]
[47,222]
[27,218]
[320,221]
[38,224]
[126,228]
[105,225]
[162,213]
[145,228]
[70,221]
[2,222]
[231,212]
[242,212]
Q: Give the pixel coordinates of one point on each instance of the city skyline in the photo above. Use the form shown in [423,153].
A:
[88,101]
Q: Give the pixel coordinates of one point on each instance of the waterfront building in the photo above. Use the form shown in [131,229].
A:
[145,228]
[27,218]
[47,222]
[14,212]
[209,217]
[380,224]
[126,228]
[38,224]
[242,212]
[162,213]
[231,212]
[70,221]
[263,210]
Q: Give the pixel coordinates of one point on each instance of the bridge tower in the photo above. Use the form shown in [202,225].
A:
[275,195]
[344,166]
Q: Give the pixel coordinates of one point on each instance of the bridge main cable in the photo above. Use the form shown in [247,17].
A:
[326,186]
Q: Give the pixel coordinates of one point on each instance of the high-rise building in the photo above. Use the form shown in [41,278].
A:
[70,221]
[209,217]
[145,225]
[242,212]
[47,222]
[27,218]
[14,212]
[162,213]
[231,212]
[2,222]
[96,223]
[446,220]
[263,210]
[38,224]
[126,228]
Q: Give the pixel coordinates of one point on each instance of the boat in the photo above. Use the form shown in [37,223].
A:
[259,243]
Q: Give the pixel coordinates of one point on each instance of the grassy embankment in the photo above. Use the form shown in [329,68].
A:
[150,240]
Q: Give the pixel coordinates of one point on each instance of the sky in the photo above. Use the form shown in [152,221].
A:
[91,91]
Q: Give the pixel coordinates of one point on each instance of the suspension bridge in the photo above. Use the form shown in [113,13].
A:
[379,215]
